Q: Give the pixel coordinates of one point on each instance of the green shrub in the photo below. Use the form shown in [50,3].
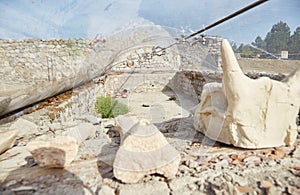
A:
[110,108]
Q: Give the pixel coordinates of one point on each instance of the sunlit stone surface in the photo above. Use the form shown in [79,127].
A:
[249,113]
[143,151]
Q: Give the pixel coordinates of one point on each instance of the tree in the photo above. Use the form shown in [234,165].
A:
[240,49]
[234,47]
[247,51]
[294,44]
[259,42]
[278,38]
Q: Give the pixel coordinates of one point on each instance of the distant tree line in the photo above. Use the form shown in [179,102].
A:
[277,40]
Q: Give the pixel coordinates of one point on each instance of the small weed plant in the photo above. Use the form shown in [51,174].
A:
[110,108]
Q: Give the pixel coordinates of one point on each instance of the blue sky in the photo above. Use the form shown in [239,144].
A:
[89,18]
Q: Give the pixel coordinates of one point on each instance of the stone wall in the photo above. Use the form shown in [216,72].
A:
[34,61]
[55,59]
[201,54]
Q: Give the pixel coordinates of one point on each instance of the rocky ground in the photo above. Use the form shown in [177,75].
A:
[206,167]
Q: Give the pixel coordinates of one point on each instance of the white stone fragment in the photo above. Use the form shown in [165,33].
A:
[143,151]
[7,140]
[249,113]
[24,127]
[58,152]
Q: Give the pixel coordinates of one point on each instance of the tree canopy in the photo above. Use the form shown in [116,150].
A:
[278,39]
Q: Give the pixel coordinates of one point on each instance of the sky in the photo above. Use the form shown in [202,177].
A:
[91,18]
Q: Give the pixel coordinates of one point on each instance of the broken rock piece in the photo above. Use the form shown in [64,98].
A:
[82,132]
[7,140]
[58,152]
[143,151]
[249,113]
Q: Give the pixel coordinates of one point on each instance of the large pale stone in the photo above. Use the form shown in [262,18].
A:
[7,140]
[143,151]
[24,127]
[58,152]
[249,113]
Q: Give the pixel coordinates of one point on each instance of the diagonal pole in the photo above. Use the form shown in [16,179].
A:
[251,6]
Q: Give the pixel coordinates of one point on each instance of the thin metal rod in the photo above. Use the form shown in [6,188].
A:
[228,17]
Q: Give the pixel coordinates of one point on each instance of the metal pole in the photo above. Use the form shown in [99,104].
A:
[228,17]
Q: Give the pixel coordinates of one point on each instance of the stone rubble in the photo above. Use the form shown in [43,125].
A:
[152,187]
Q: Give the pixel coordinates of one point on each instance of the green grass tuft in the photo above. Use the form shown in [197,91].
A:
[110,108]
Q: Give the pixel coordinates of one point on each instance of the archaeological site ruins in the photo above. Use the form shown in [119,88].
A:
[201,120]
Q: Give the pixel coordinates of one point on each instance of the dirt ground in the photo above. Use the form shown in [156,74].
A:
[268,65]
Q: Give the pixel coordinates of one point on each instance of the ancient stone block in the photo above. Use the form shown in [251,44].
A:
[7,140]
[58,152]
[249,113]
[143,151]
